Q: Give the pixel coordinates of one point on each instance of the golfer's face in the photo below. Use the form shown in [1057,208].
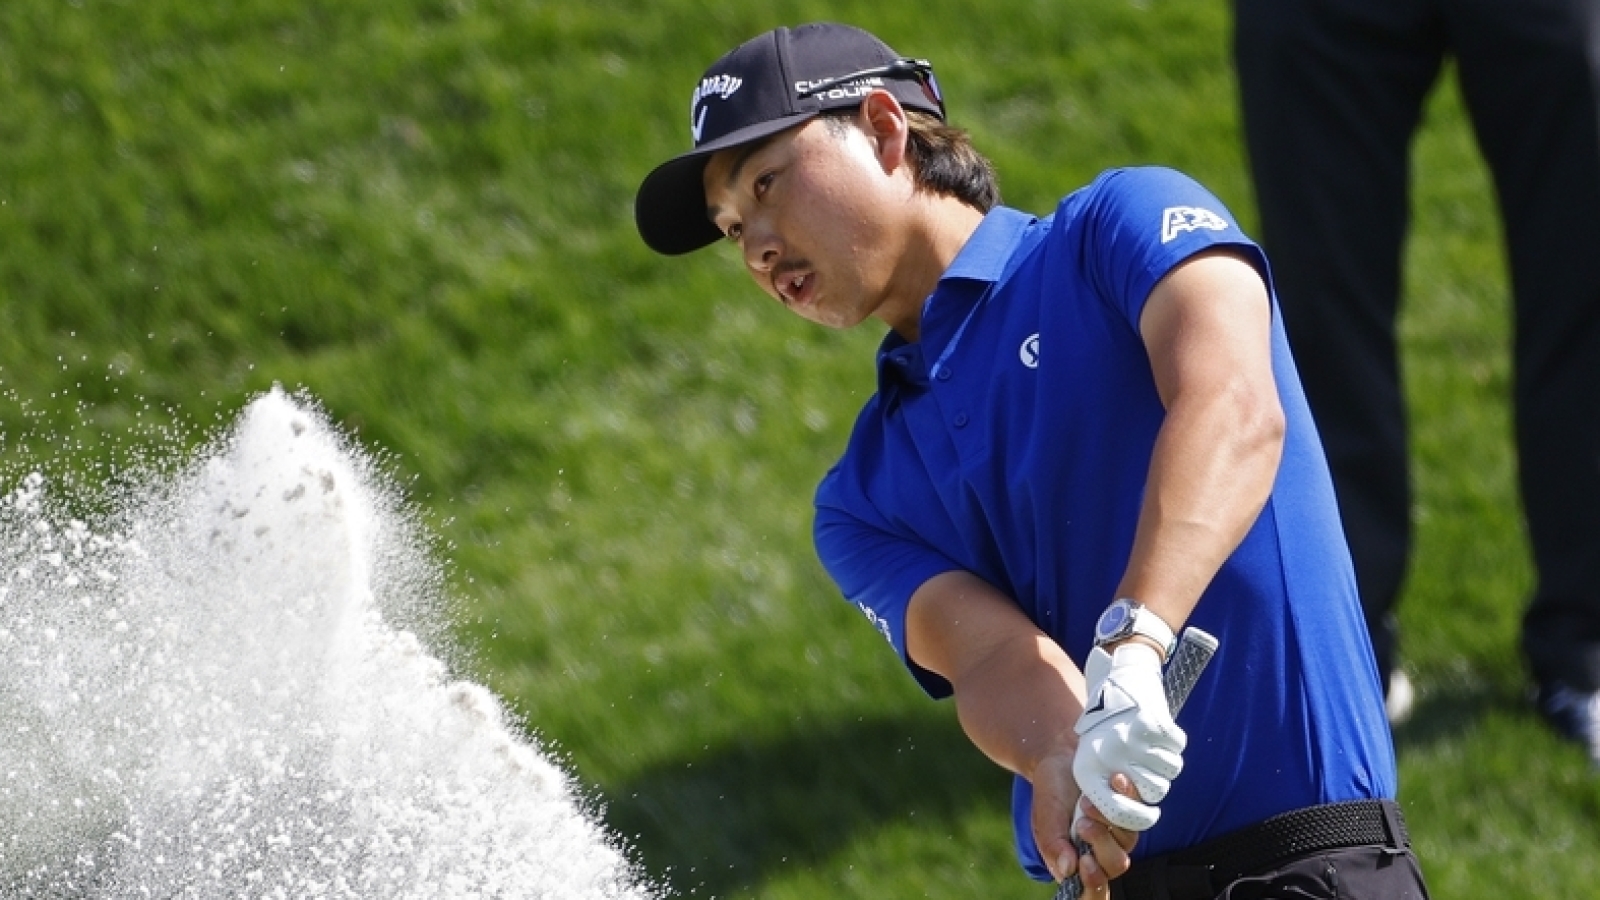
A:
[809,210]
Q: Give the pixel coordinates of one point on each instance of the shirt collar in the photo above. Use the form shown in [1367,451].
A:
[985,254]
[980,263]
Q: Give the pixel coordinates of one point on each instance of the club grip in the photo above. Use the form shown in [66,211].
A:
[1195,649]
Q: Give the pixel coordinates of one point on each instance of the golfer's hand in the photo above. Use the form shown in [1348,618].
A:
[1127,729]
[1061,817]
[1108,845]
[1055,801]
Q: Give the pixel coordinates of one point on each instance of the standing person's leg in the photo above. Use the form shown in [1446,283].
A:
[1530,72]
[1332,91]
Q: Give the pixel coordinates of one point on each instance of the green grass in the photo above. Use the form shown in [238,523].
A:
[420,211]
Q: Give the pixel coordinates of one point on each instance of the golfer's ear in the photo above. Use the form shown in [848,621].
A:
[884,120]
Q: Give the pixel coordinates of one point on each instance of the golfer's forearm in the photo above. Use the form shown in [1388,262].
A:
[1212,470]
[1017,694]
[1021,706]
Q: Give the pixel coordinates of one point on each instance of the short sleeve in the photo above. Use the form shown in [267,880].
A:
[1135,225]
[875,569]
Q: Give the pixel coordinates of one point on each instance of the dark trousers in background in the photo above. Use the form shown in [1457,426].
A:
[1332,93]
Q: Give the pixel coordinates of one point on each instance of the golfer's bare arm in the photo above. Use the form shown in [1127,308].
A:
[1018,697]
[1207,328]
[1017,694]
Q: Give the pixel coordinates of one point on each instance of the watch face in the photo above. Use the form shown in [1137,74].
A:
[1112,620]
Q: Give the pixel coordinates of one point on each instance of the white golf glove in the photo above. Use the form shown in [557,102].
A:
[1127,728]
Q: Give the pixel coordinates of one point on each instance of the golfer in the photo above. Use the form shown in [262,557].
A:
[1087,434]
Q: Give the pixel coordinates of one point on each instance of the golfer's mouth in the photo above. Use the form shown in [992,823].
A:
[795,288]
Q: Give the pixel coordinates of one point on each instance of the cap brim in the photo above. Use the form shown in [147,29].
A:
[670,208]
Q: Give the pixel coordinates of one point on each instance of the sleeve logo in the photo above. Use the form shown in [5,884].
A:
[878,622]
[1176,220]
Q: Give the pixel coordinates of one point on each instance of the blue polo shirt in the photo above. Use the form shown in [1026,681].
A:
[1013,441]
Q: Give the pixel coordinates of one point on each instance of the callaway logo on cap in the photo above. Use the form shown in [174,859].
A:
[767,84]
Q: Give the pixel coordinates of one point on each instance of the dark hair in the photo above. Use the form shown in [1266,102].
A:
[947,163]
[942,158]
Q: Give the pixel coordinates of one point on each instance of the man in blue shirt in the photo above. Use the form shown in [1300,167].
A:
[1088,434]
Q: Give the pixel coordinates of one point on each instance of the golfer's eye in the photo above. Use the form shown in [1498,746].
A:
[763,182]
[734,232]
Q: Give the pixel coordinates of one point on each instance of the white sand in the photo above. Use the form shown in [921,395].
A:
[202,697]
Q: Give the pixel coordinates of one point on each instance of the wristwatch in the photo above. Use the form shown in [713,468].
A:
[1125,618]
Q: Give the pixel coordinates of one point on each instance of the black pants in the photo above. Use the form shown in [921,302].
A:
[1332,92]
[1354,873]
[1343,851]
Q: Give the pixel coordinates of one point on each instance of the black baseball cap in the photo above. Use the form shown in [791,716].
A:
[770,82]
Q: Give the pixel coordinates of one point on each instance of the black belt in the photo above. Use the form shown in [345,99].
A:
[1206,869]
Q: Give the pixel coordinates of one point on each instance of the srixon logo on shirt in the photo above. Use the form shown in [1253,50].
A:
[840,91]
